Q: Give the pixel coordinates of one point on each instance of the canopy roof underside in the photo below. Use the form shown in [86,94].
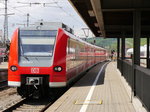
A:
[111,18]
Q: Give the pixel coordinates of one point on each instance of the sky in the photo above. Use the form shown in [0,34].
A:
[57,11]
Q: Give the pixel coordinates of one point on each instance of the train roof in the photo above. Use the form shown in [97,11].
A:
[78,39]
[56,26]
[49,25]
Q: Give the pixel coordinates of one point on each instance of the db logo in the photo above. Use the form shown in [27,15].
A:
[35,70]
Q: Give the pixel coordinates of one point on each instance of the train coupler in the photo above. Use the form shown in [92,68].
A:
[34,81]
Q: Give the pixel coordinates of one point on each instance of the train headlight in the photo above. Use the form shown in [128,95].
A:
[58,69]
[13,68]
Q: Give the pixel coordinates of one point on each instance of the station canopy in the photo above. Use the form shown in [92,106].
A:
[111,18]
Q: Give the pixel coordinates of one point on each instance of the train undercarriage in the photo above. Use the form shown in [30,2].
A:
[37,86]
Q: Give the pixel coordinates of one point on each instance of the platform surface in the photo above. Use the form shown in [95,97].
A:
[108,94]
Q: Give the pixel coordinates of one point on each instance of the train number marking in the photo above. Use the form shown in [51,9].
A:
[35,70]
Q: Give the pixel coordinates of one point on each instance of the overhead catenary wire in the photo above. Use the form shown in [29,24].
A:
[44,4]
[15,8]
[71,16]
[54,2]
[21,12]
[36,3]
[62,9]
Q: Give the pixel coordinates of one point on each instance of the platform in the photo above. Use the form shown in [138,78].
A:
[106,93]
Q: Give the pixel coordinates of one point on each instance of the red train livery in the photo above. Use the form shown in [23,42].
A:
[43,59]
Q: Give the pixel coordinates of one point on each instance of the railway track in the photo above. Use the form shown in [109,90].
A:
[3,78]
[30,105]
[3,84]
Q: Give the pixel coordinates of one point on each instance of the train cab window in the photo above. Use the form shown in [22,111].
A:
[37,42]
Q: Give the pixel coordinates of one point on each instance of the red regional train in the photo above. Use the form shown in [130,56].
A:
[43,59]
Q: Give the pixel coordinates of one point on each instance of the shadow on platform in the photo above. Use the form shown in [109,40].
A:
[89,77]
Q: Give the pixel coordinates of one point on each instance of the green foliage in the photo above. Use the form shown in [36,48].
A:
[108,43]
[129,42]
[143,41]
[111,43]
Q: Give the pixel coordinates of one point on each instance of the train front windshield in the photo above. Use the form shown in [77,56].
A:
[36,47]
[37,43]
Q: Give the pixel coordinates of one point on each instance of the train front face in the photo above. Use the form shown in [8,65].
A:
[31,58]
